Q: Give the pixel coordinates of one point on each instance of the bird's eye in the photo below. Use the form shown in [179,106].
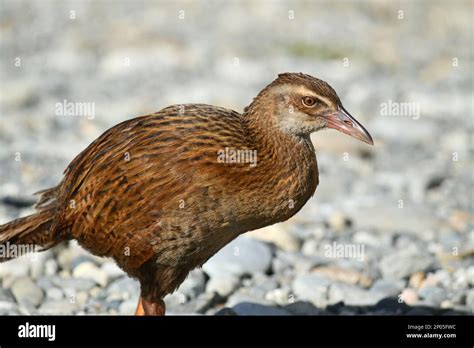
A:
[309,101]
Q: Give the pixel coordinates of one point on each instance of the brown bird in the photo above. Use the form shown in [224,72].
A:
[162,193]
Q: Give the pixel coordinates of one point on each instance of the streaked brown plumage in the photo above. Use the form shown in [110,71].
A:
[151,192]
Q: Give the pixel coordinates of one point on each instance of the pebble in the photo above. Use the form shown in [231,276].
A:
[470,300]
[15,268]
[225,311]
[80,298]
[301,263]
[341,308]
[89,270]
[339,221]
[175,300]
[241,256]
[113,306]
[26,291]
[470,275]
[349,276]
[57,307]
[68,254]
[280,296]
[74,284]
[310,247]
[416,279]
[369,239]
[431,279]
[304,308]
[313,288]
[246,308]
[352,295]
[8,308]
[223,285]
[402,263]
[280,267]
[54,294]
[96,291]
[386,216]
[50,267]
[127,286]
[194,284]
[246,295]
[128,307]
[263,283]
[113,296]
[387,288]
[38,263]
[461,279]
[457,297]
[391,306]
[433,295]
[202,303]
[64,273]
[278,235]
[7,302]
[95,306]
[446,304]
[112,270]
[409,296]
[460,220]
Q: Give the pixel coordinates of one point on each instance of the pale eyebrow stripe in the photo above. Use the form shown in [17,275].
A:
[304,91]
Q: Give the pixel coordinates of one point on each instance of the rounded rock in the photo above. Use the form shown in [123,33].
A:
[278,235]
[223,285]
[257,309]
[26,291]
[89,270]
[240,257]
[312,287]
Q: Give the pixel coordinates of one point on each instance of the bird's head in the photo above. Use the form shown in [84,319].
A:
[302,104]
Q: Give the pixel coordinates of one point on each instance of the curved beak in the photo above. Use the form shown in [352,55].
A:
[345,123]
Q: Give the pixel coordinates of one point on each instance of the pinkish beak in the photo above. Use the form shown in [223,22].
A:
[345,123]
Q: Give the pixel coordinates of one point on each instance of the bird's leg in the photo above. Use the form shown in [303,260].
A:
[139,311]
[146,307]
[156,307]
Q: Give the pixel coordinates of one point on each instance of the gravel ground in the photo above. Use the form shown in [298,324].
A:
[389,230]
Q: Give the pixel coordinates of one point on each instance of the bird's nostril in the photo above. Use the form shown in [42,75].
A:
[348,123]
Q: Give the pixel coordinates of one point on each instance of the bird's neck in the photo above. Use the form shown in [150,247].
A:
[270,139]
[288,160]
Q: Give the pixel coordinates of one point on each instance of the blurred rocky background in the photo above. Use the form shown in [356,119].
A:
[403,68]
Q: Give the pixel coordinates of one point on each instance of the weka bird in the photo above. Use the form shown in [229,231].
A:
[162,193]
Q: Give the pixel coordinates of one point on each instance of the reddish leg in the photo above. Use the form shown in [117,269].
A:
[140,311]
[146,307]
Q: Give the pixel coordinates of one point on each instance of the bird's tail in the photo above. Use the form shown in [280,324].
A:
[31,233]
